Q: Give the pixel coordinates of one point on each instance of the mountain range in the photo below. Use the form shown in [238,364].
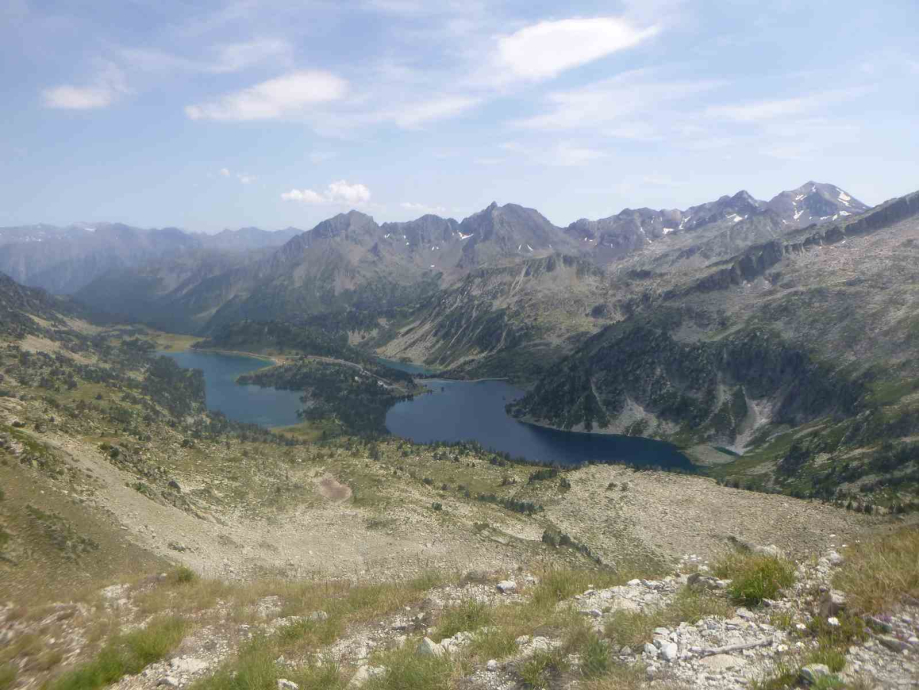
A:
[65,259]
[738,324]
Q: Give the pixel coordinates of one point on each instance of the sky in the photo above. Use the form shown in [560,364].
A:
[206,114]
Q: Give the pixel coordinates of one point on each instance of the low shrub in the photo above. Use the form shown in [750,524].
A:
[755,577]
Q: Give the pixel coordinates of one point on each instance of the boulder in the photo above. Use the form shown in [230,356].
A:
[491,666]
[812,673]
[540,644]
[892,643]
[429,648]
[832,603]
[284,684]
[364,674]
[771,550]
[167,682]
[507,587]
[669,651]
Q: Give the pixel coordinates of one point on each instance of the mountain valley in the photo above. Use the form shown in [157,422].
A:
[148,540]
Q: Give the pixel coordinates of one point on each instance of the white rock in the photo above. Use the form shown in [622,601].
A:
[721,662]
[507,587]
[650,649]
[540,644]
[833,620]
[832,603]
[365,673]
[669,651]
[491,666]
[812,673]
[284,684]
[429,648]
[771,550]
[188,664]
[168,682]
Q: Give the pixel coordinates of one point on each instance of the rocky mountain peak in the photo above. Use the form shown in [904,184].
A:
[815,202]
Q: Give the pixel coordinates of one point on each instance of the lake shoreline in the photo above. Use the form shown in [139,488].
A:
[267,407]
[464,411]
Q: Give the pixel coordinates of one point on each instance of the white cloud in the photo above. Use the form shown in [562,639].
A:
[569,156]
[234,57]
[760,111]
[564,154]
[225,172]
[276,98]
[617,100]
[635,131]
[246,179]
[307,196]
[414,115]
[337,193]
[548,48]
[107,87]
[423,209]
[219,59]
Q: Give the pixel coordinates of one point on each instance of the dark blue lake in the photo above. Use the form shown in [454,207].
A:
[467,411]
[453,411]
[251,404]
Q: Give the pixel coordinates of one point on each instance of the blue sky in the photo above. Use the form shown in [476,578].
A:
[206,115]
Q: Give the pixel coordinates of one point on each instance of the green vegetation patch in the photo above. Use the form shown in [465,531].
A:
[879,573]
[124,655]
[755,577]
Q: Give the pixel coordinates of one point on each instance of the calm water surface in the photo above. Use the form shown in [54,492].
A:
[408,367]
[453,411]
[251,404]
[465,411]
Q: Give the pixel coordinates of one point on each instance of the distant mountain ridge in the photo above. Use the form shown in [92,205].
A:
[63,260]
[195,282]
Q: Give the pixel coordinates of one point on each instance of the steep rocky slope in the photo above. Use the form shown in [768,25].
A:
[816,328]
